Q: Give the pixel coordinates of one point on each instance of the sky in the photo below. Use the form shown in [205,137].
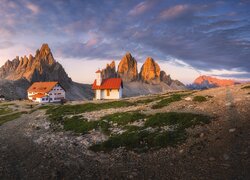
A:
[186,38]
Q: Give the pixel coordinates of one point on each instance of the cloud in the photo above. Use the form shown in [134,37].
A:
[140,8]
[202,35]
[5,44]
[33,8]
[173,12]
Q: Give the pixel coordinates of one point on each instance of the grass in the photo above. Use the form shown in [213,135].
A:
[124,118]
[199,98]
[6,104]
[180,120]
[79,125]
[148,100]
[167,101]
[5,110]
[57,113]
[246,87]
[139,139]
[10,117]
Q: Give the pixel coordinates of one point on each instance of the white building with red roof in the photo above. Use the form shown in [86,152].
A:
[110,88]
[45,92]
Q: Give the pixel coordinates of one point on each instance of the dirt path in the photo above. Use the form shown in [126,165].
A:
[220,150]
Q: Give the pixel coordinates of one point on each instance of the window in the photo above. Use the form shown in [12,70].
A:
[42,99]
[108,92]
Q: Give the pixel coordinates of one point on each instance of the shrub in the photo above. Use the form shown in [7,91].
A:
[199,98]
[246,87]
[167,101]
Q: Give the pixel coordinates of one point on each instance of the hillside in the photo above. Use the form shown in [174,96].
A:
[178,134]
[41,67]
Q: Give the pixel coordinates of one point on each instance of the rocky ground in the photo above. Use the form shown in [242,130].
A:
[33,148]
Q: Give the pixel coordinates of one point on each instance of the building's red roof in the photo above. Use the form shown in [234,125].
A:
[38,95]
[111,83]
[98,71]
[42,87]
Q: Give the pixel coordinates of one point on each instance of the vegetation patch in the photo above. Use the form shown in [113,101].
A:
[79,125]
[141,139]
[246,87]
[179,120]
[199,98]
[148,100]
[10,117]
[167,101]
[5,110]
[57,113]
[124,118]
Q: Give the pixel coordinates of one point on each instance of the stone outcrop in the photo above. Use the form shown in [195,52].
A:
[150,71]
[213,82]
[109,71]
[165,78]
[127,68]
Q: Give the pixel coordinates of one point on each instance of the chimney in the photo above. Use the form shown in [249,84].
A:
[98,77]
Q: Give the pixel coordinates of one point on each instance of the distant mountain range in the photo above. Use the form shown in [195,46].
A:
[205,82]
[17,75]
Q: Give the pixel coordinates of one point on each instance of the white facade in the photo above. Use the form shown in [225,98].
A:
[108,93]
[54,95]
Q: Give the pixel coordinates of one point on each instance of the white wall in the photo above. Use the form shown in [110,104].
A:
[98,94]
[55,95]
[114,94]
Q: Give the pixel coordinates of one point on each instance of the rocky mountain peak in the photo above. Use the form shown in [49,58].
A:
[127,68]
[150,71]
[42,67]
[109,71]
[45,55]
[212,81]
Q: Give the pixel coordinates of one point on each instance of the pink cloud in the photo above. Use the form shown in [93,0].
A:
[33,8]
[140,8]
[91,42]
[174,11]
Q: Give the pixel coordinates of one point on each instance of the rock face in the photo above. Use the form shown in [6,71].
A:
[165,78]
[213,82]
[109,71]
[127,68]
[150,71]
[150,80]
[41,67]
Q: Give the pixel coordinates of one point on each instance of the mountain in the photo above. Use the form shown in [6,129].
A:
[41,67]
[205,82]
[127,68]
[150,72]
[109,71]
[150,80]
